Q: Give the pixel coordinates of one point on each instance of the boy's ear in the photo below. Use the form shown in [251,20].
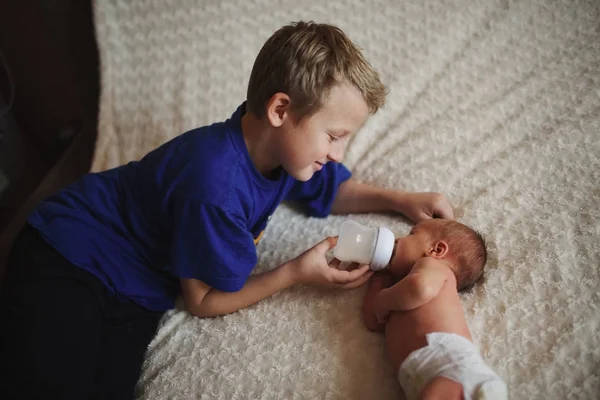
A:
[439,249]
[278,109]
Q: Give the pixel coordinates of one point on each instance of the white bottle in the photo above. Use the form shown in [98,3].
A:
[365,245]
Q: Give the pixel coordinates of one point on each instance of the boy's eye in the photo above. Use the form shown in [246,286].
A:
[333,139]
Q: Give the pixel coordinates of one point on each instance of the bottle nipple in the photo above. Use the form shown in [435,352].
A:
[365,245]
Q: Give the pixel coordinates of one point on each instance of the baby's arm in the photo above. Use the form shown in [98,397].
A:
[378,282]
[421,285]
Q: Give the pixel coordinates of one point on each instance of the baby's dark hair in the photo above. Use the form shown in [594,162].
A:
[468,250]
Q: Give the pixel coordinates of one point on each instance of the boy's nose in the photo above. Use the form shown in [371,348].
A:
[337,153]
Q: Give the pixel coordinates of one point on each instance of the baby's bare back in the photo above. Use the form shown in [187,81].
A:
[405,330]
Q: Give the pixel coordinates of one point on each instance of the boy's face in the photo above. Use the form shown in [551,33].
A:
[409,249]
[304,148]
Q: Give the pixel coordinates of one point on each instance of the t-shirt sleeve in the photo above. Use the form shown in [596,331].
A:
[318,193]
[211,245]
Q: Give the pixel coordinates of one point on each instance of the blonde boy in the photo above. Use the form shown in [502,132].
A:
[120,245]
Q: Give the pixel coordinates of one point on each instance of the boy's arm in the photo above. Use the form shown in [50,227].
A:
[355,197]
[203,301]
[378,282]
[310,268]
[419,287]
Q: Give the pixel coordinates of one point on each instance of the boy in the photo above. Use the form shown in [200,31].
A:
[100,261]
[427,337]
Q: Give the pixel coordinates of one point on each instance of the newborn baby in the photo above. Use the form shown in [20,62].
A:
[416,301]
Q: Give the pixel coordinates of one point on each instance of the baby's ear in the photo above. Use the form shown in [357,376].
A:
[439,250]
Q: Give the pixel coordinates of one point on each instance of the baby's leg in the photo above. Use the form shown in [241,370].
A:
[442,388]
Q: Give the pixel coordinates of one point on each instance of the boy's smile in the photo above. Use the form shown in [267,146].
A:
[304,147]
[308,145]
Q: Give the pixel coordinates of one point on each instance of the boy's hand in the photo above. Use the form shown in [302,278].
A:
[356,197]
[421,206]
[311,268]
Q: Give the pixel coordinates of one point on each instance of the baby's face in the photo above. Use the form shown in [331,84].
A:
[411,248]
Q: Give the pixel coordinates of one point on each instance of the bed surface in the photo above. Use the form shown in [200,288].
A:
[495,103]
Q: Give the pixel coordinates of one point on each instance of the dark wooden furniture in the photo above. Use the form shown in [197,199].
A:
[47,138]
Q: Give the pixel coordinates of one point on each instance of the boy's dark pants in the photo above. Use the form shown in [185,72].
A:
[62,334]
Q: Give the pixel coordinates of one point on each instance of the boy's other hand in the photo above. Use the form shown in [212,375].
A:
[421,206]
[311,268]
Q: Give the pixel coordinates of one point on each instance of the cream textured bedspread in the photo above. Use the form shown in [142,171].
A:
[494,103]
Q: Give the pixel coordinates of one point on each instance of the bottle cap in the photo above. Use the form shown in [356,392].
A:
[383,249]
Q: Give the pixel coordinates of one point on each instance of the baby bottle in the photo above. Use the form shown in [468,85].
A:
[365,245]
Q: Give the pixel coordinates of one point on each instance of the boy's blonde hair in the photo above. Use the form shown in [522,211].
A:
[305,60]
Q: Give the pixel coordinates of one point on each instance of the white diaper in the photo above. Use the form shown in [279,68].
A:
[454,357]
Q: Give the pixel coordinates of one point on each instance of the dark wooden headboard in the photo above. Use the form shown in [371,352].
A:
[49,90]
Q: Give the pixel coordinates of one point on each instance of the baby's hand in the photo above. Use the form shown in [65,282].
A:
[381,312]
[421,206]
[311,268]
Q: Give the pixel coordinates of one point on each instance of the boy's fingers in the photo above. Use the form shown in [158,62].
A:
[422,216]
[359,271]
[352,266]
[327,244]
[443,210]
[343,277]
[356,274]
[359,282]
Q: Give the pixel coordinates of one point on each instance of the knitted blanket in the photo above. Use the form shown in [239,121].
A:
[494,103]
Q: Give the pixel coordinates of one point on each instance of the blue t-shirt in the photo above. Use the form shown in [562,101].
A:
[192,208]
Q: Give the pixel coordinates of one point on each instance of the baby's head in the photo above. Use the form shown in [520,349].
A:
[462,247]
